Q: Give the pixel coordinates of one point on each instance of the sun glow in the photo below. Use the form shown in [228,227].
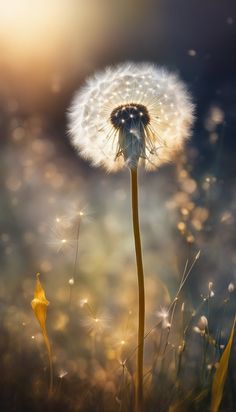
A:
[33,28]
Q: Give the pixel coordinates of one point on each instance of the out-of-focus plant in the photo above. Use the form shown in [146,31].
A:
[221,374]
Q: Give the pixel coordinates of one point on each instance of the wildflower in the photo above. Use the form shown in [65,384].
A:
[39,305]
[131,112]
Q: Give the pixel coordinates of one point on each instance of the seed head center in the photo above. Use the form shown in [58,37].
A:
[129,115]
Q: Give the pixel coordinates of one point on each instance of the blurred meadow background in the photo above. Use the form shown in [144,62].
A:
[71,222]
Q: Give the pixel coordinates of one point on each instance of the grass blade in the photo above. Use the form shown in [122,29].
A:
[221,373]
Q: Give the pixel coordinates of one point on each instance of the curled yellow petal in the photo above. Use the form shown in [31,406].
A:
[39,305]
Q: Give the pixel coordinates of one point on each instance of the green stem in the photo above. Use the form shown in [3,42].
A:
[141,294]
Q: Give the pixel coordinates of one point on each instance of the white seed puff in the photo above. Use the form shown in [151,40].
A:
[130,113]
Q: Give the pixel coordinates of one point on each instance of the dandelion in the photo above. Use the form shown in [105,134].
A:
[114,122]
[124,116]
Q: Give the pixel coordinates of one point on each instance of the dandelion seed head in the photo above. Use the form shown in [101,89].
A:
[96,323]
[128,97]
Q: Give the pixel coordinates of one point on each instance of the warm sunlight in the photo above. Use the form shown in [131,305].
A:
[33,28]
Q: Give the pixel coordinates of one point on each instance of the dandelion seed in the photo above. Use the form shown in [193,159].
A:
[163,315]
[59,242]
[96,324]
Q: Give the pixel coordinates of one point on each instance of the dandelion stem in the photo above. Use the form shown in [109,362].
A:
[141,293]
